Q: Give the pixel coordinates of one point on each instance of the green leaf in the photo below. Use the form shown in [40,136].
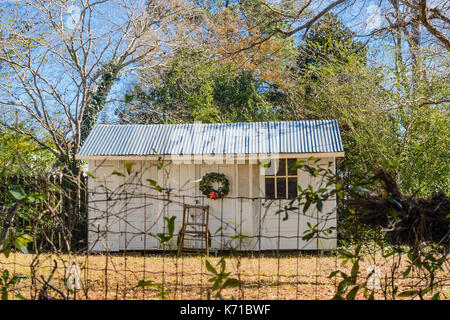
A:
[170,224]
[20,296]
[266,163]
[345,253]
[91,175]
[407,271]
[352,294]
[239,237]
[308,235]
[387,255]
[408,293]
[18,278]
[424,292]
[129,166]
[355,269]
[319,205]
[337,296]
[19,245]
[231,283]
[163,238]
[17,195]
[27,238]
[307,205]
[160,164]
[222,265]
[210,267]
[216,284]
[4,293]
[152,182]
[128,98]
[7,251]
[117,173]
[360,189]
[436,296]
[161,290]
[334,273]
[218,230]
[145,283]
[343,285]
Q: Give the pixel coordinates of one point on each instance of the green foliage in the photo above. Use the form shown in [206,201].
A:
[164,238]
[426,261]
[20,195]
[129,166]
[426,257]
[422,164]
[149,283]
[24,167]
[6,282]
[18,240]
[19,152]
[19,236]
[383,124]
[221,279]
[412,141]
[349,280]
[97,99]
[388,119]
[117,173]
[329,41]
[314,195]
[429,261]
[197,87]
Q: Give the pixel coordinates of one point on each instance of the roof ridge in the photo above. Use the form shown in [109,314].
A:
[215,123]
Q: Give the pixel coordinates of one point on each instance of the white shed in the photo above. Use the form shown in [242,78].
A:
[126,162]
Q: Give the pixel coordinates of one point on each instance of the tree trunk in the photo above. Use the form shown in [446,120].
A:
[415,49]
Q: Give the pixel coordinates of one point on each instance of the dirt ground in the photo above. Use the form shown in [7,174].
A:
[296,276]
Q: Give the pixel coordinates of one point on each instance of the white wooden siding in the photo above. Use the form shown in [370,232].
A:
[131,222]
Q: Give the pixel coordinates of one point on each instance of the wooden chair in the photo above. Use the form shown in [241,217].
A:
[195,228]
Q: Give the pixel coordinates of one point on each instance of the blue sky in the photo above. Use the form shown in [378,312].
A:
[362,18]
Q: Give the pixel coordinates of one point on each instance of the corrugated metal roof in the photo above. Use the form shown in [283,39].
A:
[306,136]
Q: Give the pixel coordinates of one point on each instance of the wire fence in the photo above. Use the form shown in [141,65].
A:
[259,249]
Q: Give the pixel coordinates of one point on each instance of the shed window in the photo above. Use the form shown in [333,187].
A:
[281,183]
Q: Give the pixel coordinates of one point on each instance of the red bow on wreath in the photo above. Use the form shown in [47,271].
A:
[210,178]
[213,195]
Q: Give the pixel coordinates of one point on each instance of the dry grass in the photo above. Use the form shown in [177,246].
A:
[293,276]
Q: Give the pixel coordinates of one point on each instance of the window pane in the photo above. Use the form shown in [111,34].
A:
[268,168]
[281,167]
[281,188]
[291,162]
[292,188]
[270,188]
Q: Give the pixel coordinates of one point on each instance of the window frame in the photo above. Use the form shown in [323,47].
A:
[286,177]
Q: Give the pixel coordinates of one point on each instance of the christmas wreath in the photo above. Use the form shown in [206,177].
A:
[208,190]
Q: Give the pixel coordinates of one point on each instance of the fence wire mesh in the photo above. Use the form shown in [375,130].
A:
[260,249]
